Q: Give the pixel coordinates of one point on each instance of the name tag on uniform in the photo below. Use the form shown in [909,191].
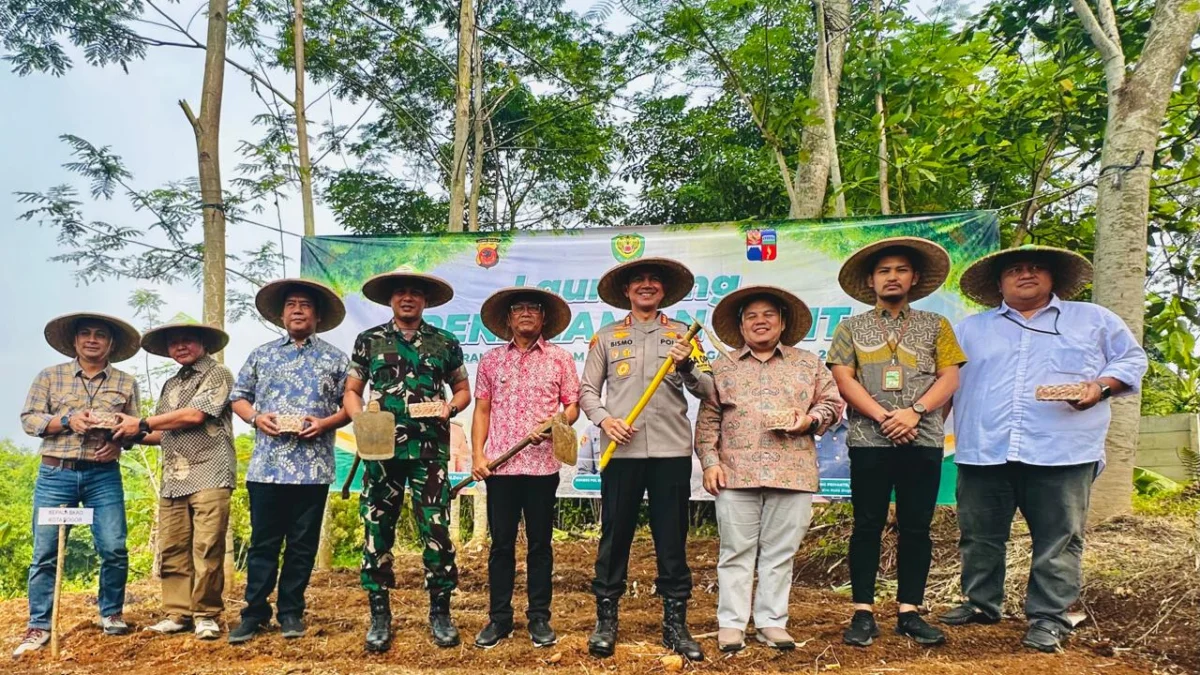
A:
[893,377]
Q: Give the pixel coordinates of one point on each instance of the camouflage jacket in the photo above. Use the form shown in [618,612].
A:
[402,372]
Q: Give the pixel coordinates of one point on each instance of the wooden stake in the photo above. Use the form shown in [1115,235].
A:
[58,574]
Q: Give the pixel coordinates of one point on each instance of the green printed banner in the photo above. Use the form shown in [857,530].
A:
[802,256]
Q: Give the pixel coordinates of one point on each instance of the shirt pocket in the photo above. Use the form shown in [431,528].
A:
[64,402]
[386,364]
[110,400]
[1073,358]
[621,367]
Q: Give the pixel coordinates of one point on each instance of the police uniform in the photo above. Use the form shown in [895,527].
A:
[626,355]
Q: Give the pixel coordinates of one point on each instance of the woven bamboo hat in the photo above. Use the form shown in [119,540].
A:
[379,288]
[1070,270]
[931,260]
[156,340]
[677,281]
[60,334]
[727,315]
[556,312]
[270,301]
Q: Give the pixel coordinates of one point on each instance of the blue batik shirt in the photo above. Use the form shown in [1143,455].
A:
[285,378]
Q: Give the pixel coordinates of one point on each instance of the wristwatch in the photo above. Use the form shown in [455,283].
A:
[65,422]
[919,408]
[1105,391]
[144,425]
[454,410]
[253,419]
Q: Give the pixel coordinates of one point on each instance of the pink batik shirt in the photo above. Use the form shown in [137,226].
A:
[525,388]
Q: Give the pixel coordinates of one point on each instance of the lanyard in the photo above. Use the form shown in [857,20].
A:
[892,346]
[1036,330]
[92,394]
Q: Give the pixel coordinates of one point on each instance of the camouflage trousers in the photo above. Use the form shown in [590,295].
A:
[379,508]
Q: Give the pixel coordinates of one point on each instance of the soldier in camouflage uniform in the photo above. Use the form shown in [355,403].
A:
[408,361]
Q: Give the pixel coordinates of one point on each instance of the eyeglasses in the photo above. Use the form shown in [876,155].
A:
[525,308]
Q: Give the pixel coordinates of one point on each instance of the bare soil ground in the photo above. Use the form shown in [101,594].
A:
[337,620]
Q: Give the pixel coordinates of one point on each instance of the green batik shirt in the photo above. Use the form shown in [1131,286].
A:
[405,371]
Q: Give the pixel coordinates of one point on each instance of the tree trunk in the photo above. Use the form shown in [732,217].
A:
[885,206]
[477,135]
[325,546]
[1137,101]
[207,128]
[462,116]
[306,194]
[817,141]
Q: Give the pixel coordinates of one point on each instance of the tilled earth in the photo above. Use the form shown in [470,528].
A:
[337,619]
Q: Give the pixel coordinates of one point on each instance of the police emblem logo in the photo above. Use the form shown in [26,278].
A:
[623,369]
[626,247]
[487,252]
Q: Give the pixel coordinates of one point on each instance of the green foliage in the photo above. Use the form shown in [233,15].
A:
[1178,500]
[1149,483]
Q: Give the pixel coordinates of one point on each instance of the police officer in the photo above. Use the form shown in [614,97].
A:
[408,361]
[655,454]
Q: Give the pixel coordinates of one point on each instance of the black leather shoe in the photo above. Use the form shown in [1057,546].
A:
[245,631]
[862,631]
[675,630]
[445,633]
[965,614]
[1044,637]
[911,625]
[492,634]
[541,633]
[603,641]
[379,635]
[292,626]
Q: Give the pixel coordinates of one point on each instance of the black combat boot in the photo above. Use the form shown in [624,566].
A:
[444,632]
[675,630]
[603,640]
[379,635]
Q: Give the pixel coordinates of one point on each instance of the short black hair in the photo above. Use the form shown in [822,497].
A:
[766,297]
[913,257]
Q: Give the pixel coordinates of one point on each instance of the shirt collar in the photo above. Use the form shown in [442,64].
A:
[745,351]
[662,319]
[539,344]
[902,314]
[287,340]
[392,328]
[106,372]
[1055,303]
[201,366]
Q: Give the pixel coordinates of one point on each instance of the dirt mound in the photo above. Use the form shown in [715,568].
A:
[337,620]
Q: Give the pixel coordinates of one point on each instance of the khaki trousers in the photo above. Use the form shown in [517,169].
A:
[191,536]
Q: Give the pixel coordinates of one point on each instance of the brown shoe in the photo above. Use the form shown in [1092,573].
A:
[731,640]
[775,638]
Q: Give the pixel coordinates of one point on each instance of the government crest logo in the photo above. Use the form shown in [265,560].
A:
[626,247]
[487,252]
[761,245]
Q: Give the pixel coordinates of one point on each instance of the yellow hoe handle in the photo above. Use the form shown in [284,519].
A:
[641,404]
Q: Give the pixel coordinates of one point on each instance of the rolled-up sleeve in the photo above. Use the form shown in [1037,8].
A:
[827,405]
[1125,360]
[36,416]
[247,380]
[594,370]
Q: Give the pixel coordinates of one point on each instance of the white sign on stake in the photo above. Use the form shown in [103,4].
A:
[62,516]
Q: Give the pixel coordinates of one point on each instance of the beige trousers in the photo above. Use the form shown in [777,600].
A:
[191,538]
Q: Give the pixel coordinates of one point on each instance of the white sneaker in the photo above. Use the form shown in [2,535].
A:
[114,625]
[167,627]
[207,629]
[34,639]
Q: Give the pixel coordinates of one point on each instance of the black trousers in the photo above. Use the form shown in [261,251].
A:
[280,513]
[510,497]
[915,473]
[622,485]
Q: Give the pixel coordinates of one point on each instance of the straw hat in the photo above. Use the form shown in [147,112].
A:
[60,333]
[1070,270]
[156,339]
[496,310]
[727,322]
[677,281]
[272,296]
[932,263]
[379,288]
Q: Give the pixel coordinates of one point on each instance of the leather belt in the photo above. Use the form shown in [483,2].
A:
[71,464]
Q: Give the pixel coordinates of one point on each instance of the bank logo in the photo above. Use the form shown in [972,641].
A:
[487,252]
[626,247]
[761,245]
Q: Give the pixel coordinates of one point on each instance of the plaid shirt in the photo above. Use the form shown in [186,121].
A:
[200,457]
[63,389]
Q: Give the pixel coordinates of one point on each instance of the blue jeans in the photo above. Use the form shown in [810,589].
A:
[99,488]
